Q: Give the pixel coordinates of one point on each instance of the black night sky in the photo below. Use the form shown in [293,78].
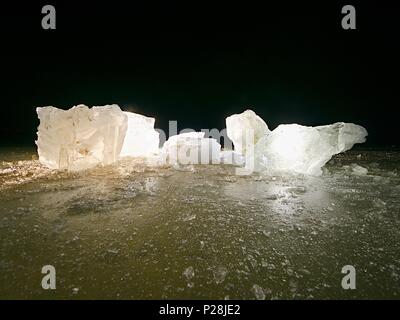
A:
[197,63]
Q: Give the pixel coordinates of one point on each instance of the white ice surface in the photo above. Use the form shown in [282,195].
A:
[80,138]
[245,130]
[141,139]
[301,149]
[191,148]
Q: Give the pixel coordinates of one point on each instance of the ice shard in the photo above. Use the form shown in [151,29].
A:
[141,139]
[301,149]
[245,130]
[191,148]
[80,138]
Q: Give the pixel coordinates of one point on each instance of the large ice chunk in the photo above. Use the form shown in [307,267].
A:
[301,149]
[141,138]
[80,138]
[245,130]
[343,135]
[191,148]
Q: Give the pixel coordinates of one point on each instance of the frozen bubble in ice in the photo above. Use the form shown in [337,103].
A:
[189,273]
[189,217]
[220,274]
[258,292]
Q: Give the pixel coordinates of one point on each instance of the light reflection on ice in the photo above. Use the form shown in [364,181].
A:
[288,235]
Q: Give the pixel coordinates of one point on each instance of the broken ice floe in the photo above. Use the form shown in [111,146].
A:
[301,149]
[245,130]
[191,148]
[80,138]
[141,139]
[358,170]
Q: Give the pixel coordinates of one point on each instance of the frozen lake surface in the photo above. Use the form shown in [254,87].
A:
[200,232]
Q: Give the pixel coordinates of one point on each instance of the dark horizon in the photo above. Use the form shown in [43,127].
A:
[290,63]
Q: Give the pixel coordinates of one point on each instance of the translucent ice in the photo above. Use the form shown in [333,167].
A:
[80,138]
[301,149]
[191,148]
[343,135]
[141,139]
[232,157]
[245,130]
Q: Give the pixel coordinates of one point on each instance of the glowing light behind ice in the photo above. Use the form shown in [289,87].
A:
[191,148]
[301,149]
[81,138]
[238,125]
[138,227]
[141,139]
